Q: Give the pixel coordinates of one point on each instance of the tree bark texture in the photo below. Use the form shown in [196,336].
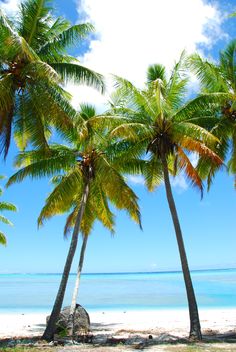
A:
[50,328]
[79,270]
[195,328]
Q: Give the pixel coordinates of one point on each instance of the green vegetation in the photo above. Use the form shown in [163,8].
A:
[5,206]
[152,131]
[87,178]
[157,121]
[220,118]
[33,65]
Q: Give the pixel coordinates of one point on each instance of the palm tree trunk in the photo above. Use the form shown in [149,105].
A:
[79,270]
[195,328]
[50,328]
[77,282]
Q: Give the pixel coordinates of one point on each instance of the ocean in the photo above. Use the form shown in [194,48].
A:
[25,293]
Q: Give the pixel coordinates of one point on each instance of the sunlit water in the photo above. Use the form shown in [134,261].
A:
[36,292]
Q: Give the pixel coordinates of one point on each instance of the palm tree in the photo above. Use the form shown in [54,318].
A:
[90,179]
[9,207]
[33,66]
[221,78]
[157,122]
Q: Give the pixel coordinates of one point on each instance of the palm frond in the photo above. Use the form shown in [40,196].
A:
[63,196]
[208,74]
[232,161]
[119,193]
[132,131]
[228,65]
[132,97]
[79,74]
[188,129]
[6,130]
[3,239]
[103,212]
[35,19]
[190,171]
[12,44]
[177,84]
[196,146]
[5,220]
[53,162]
[61,36]
[155,72]
[7,206]
[40,70]
[200,103]
[152,173]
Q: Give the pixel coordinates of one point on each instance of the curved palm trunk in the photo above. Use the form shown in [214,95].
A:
[195,328]
[79,270]
[77,282]
[50,328]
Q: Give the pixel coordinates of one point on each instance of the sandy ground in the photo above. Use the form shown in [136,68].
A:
[171,322]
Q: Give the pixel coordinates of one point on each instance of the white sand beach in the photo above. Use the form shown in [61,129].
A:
[113,323]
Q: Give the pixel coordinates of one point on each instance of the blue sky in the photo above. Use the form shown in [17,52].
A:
[126,41]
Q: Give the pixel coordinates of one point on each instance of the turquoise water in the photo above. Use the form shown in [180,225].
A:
[126,291]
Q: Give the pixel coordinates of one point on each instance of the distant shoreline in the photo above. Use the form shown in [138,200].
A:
[131,272]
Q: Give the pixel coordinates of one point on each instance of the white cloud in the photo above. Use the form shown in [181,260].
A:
[193,157]
[10,7]
[84,94]
[133,34]
[179,182]
[136,180]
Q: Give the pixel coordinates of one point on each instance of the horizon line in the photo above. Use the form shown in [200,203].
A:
[120,272]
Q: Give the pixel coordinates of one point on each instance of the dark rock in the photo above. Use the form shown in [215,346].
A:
[115,341]
[80,324]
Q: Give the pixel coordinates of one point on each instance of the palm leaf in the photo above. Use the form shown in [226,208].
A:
[190,171]
[152,173]
[196,146]
[62,35]
[12,44]
[132,131]
[3,239]
[79,74]
[208,74]
[202,102]
[177,84]
[34,18]
[155,72]
[52,163]
[5,220]
[228,65]
[7,206]
[63,196]
[117,190]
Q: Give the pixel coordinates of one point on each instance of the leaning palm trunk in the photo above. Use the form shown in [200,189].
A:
[195,328]
[49,331]
[77,282]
